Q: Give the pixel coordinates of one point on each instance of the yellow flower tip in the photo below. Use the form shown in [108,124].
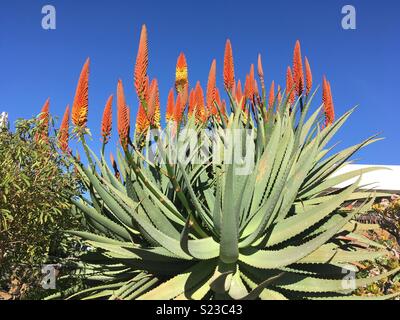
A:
[181,73]
[142,122]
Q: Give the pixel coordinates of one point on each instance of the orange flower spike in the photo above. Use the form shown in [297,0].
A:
[142,122]
[211,85]
[201,114]
[255,87]
[247,88]
[218,100]
[271,95]
[142,62]
[178,110]
[81,100]
[169,115]
[192,102]
[298,75]
[229,68]
[152,100]
[308,77]
[260,72]
[147,90]
[328,103]
[154,104]
[63,134]
[260,68]
[123,116]
[331,111]
[217,96]
[115,166]
[106,123]
[252,80]
[43,125]
[290,86]
[157,111]
[279,95]
[181,74]
[223,107]
[185,95]
[239,92]
[44,116]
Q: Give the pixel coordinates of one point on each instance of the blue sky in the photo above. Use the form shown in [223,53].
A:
[363,65]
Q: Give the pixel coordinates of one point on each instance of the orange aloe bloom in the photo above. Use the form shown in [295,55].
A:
[214,110]
[169,115]
[123,115]
[63,134]
[115,167]
[271,95]
[185,95]
[248,87]
[178,109]
[153,105]
[142,123]
[256,92]
[44,121]
[192,102]
[329,109]
[81,100]
[308,77]
[151,100]
[279,98]
[229,69]
[223,107]
[260,68]
[290,86]
[252,81]
[211,86]
[181,74]
[142,62]
[298,75]
[106,123]
[157,113]
[239,95]
[201,114]
[251,74]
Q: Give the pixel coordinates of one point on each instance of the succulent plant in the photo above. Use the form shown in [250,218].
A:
[169,229]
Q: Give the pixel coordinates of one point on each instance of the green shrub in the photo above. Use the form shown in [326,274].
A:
[35,187]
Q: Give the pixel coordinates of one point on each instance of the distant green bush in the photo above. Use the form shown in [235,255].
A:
[36,184]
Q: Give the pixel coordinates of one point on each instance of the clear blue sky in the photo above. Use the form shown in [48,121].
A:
[363,65]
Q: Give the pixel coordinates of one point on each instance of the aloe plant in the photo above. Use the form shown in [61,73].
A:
[173,230]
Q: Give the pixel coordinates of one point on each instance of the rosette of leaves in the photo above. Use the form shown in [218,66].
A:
[173,230]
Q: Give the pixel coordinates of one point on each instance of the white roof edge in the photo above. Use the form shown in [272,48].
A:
[386,179]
